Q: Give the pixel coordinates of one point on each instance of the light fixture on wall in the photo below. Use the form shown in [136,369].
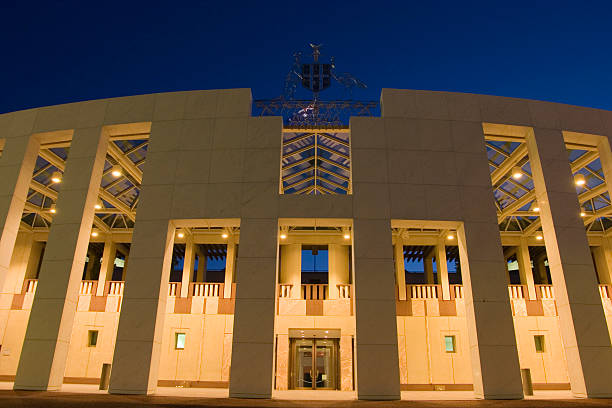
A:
[52,209]
[94,232]
[225,234]
[582,212]
[98,205]
[283,233]
[517,172]
[346,233]
[180,234]
[450,236]
[56,177]
[536,209]
[539,237]
[579,179]
[116,171]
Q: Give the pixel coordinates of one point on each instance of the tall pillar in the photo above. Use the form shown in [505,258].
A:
[107,267]
[92,259]
[230,268]
[442,267]
[524,264]
[143,310]
[16,168]
[338,268]
[400,269]
[45,348]
[291,268]
[540,269]
[490,326]
[428,266]
[253,340]
[202,264]
[375,314]
[34,260]
[125,267]
[188,263]
[602,256]
[581,318]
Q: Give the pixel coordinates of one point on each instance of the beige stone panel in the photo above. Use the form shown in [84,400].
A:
[54,306]
[291,272]
[227,357]
[284,323]
[441,362]
[253,342]
[130,109]
[212,356]
[282,362]
[346,324]
[264,133]
[12,340]
[511,111]
[401,348]
[169,106]
[582,323]
[168,361]
[337,307]
[338,270]
[346,363]
[462,366]
[139,336]
[292,307]
[189,359]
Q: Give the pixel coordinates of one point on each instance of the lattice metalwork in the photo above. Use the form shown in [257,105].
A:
[316,162]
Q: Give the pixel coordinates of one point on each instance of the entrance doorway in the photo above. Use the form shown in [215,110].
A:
[314,364]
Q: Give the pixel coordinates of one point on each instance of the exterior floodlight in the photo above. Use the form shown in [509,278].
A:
[116,172]
[94,232]
[450,236]
[180,234]
[98,205]
[224,235]
[52,209]
[56,177]
[539,237]
[582,212]
[346,234]
[579,179]
[517,172]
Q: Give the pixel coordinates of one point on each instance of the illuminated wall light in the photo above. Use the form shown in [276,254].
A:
[56,177]
[283,235]
[346,234]
[450,236]
[517,173]
[116,171]
[52,209]
[579,179]
[224,235]
[536,209]
[539,237]
[180,234]
[94,232]
[98,205]
[582,212]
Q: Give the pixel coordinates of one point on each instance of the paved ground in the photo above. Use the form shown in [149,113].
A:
[32,399]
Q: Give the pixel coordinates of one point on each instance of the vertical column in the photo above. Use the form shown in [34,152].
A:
[45,348]
[188,263]
[338,268]
[524,264]
[253,340]
[442,267]
[490,327]
[202,263]
[581,318]
[16,168]
[291,268]
[92,259]
[107,267]
[400,270]
[540,268]
[602,255]
[428,266]
[375,318]
[230,268]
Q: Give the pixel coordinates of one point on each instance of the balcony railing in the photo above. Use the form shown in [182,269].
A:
[88,287]
[423,291]
[174,288]
[202,289]
[545,291]
[457,290]
[115,288]
[315,292]
[284,290]
[516,291]
[344,291]
[30,285]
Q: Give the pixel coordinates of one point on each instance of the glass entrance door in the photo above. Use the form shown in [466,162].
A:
[314,364]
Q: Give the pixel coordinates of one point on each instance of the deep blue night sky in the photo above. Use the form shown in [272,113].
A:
[57,52]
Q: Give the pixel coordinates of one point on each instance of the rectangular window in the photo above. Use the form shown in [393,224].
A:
[92,338]
[449,344]
[179,341]
[539,343]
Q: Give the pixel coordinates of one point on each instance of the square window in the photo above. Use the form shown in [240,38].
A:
[449,344]
[179,341]
[92,338]
[539,344]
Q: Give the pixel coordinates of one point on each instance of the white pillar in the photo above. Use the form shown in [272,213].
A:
[338,257]
[584,331]
[291,268]
[400,269]
[524,264]
[230,268]
[442,267]
[108,264]
[45,348]
[188,263]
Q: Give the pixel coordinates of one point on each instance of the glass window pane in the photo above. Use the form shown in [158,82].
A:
[180,341]
[92,338]
[449,344]
[539,343]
